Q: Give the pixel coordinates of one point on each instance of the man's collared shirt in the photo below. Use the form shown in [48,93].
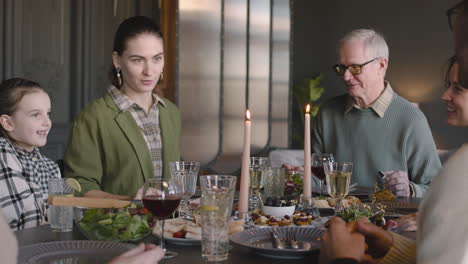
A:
[147,122]
[379,106]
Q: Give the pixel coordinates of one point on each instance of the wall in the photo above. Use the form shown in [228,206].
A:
[232,55]
[419,40]
[65,46]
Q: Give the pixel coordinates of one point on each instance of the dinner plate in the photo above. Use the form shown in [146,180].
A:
[399,205]
[259,240]
[182,241]
[72,251]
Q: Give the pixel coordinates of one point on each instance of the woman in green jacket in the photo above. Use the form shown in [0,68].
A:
[131,133]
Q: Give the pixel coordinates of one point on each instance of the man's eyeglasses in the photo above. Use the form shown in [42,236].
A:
[354,69]
[453,13]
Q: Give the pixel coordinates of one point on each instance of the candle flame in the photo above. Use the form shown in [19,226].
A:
[308,108]
[247,115]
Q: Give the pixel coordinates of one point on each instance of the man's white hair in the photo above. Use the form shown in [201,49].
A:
[374,43]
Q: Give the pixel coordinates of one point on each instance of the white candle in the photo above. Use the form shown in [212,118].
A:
[307,158]
[245,173]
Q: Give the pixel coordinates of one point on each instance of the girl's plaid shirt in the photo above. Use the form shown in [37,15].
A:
[24,177]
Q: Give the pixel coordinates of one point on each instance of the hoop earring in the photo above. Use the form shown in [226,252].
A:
[119,77]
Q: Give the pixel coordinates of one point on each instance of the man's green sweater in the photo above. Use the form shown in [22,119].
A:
[400,140]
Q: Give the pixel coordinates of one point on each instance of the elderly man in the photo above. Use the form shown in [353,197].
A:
[383,134]
[442,218]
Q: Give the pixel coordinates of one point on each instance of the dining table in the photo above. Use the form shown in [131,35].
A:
[187,253]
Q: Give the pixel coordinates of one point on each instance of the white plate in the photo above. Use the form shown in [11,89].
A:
[182,241]
[72,251]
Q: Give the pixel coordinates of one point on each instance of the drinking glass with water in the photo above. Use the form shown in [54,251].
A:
[60,217]
[216,207]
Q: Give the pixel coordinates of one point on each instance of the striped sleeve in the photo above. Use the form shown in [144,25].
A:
[403,251]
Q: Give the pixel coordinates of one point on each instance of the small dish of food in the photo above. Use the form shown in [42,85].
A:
[278,207]
[179,231]
[296,219]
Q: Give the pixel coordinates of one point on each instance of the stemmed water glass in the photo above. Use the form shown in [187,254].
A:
[161,198]
[185,174]
[338,176]
[318,159]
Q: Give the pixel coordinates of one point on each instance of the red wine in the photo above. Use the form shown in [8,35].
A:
[161,208]
[318,172]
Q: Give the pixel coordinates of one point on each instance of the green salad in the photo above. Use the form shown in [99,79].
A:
[116,224]
[355,212]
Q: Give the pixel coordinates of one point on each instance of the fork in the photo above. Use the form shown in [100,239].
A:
[293,241]
[277,243]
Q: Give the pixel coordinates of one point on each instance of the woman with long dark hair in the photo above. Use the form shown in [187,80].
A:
[131,133]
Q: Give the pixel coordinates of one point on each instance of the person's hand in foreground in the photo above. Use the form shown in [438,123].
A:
[378,240]
[142,254]
[339,241]
[398,183]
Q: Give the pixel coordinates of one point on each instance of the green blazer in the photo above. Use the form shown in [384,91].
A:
[106,150]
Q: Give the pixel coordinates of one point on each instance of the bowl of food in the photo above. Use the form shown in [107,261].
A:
[278,207]
[130,224]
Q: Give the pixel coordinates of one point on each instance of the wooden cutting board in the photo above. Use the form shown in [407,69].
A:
[87,202]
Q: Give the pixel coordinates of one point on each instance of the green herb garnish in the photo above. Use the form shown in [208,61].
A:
[353,213]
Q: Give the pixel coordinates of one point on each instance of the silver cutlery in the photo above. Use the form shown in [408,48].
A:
[277,243]
[292,241]
[289,242]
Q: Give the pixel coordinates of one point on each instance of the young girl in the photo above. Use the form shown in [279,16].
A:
[24,172]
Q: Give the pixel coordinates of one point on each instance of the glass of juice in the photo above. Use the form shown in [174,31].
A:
[338,176]
[256,181]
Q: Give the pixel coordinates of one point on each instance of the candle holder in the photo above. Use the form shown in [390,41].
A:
[256,181]
[248,222]
[307,205]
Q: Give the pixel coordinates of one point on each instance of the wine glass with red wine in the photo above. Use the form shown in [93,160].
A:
[161,198]
[317,167]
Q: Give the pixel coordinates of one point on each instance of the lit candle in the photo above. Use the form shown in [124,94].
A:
[307,159]
[245,179]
